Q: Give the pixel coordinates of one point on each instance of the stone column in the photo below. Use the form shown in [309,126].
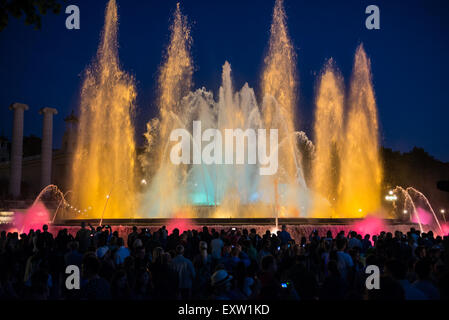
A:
[15,178]
[47,145]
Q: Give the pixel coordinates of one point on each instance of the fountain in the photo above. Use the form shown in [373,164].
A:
[415,204]
[345,170]
[104,162]
[231,190]
[37,214]
[329,139]
[361,170]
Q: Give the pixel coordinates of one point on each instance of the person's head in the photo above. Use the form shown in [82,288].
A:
[157,253]
[267,244]
[137,243]
[91,265]
[284,227]
[83,225]
[166,258]
[120,242]
[221,281]
[367,236]
[268,264]
[341,244]
[329,234]
[203,245]
[134,229]
[180,250]
[101,241]
[235,252]
[45,228]
[372,260]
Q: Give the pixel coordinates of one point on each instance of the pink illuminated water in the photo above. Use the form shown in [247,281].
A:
[180,224]
[370,225]
[425,217]
[445,228]
[34,218]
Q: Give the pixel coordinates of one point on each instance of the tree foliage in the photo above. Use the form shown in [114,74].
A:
[31,9]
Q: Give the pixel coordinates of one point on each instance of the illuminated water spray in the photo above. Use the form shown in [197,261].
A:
[361,171]
[280,81]
[328,139]
[414,203]
[226,190]
[104,161]
[174,83]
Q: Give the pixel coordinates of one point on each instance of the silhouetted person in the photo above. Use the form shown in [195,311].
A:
[95,287]
[186,272]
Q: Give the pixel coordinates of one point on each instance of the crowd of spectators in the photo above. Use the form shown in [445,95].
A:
[228,264]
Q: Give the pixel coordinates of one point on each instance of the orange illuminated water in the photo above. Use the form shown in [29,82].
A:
[104,161]
[361,170]
[345,169]
[328,132]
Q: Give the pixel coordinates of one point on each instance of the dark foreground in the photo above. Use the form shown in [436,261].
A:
[220,263]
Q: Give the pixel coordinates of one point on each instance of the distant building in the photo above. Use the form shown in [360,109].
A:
[31,178]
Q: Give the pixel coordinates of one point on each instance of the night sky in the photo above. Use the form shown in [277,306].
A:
[409,56]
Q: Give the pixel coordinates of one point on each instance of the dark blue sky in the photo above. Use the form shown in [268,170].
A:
[409,55]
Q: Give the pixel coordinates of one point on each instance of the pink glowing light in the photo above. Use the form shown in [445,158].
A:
[445,228]
[180,224]
[370,225]
[425,217]
[34,218]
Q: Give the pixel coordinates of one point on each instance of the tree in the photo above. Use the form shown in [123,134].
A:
[32,9]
